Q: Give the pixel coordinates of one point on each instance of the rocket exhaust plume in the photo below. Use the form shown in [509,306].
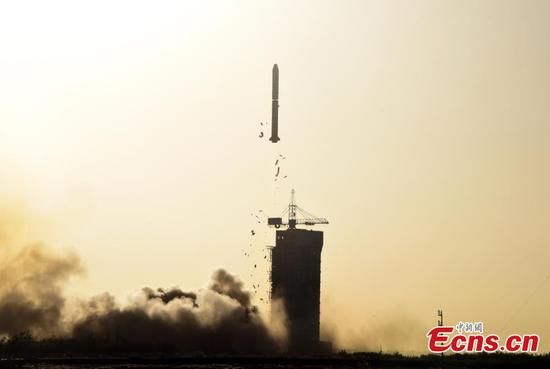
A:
[31,298]
[217,319]
[275,105]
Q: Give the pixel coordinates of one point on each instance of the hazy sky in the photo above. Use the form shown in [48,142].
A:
[420,129]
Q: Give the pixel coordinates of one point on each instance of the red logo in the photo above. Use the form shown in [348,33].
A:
[443,339]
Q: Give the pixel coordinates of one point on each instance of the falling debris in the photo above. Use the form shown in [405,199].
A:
[276,162]
[261,135]
[278,170]
[254,265]
[252,232]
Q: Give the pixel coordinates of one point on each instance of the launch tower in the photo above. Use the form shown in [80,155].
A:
[296,276]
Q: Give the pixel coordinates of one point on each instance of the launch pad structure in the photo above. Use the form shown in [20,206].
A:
[296,277]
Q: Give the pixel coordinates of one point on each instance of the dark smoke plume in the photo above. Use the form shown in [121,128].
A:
[31,296]
[226,284]
[220,318]
[169,295]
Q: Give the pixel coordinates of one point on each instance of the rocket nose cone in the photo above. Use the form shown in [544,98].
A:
[275,67]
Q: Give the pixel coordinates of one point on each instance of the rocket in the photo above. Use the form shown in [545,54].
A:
[275,105]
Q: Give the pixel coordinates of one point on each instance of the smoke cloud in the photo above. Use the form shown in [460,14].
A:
[216,319]
[31,296]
